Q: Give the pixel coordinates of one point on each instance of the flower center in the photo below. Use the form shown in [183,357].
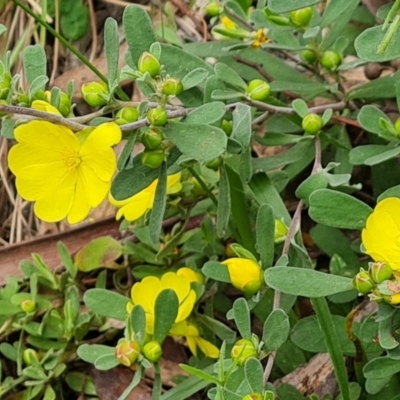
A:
[71,159]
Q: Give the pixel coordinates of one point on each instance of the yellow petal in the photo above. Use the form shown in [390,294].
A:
[190,274]
[103,163]
[46,135]
[80,207]
[96,188]
[19,155]
[191,342]
[45,107]
[186,308]
[173,183]
[102,137]
[242,271]
[179,284]
[134,207]
[146,292]
[207,348]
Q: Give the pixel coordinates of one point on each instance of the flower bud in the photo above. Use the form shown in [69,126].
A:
[126,115]
[281,231]
[39,95]
[309,56]
[397,126]
[301,17]
[127,351]
[152,351]
[213,9]
[95,93]
[197,189]
[363,283]
[312,123]
[27,306]
[227,127]
[157,116]
[243,350]
[214,164]
[330,60]
[376,296]
[149,63]
[29,355]
[258,89]
[152,159]
[152,138]
[380,271]
[253,396]
[172,87]
[5,85]
[65,105]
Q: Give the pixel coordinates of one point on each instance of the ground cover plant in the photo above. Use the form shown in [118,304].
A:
[255,180]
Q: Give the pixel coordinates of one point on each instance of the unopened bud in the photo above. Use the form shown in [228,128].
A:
[363,283]
[253,396]
[127,115]
[227,127]
[312,123]
[330,60]
[397,126]
[127,352]
[152,138]
[29,356]
[149,63]
[243,350]
[152,159]
[309,56]
[95,93]
[172,87]
[301,17]
[281,231]
[28,306]
[5,85]
[380,271]
[152,351]
[213,9]
[214,164]
[258,89]
[157,116]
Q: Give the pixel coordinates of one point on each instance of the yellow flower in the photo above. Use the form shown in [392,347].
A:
[245,274]
[65,174]
[381,236]
[260,38]
[135,206]
[228,23]
[192,275]
[194,341]
[145,293]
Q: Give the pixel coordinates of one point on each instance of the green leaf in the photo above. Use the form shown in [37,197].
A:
[368,42]
[138,31]
[384,88]
[279,6]
[106,362]
[198,141]
[138,323]
[74,22]
[218,328]
[111,48]
[216,271]
[200,374]
[306,282]
[7,128]
[253,370]
[381,367]
[380,158]
[392,192]
[194,78]
[337,209]
[228,75]
[310,185]
[159,205]
[81,383]
[165,312]
[226,95]
[300,106]
[34,59]
[38,83]
[66,259]
[209,113]
[265,235]
[276,329]
[241,314]
[360,154]
[224,204]
[106,303]
[99,252]
[241,130]
[91,352]
[369,117]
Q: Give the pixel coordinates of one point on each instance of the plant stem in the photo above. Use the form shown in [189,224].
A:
[389,34]
[135,382]
[199,179]
[325,321]
[157,384]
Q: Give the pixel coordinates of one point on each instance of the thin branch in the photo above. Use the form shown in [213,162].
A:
[31,112]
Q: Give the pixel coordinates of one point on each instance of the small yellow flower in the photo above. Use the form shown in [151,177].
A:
[145,293]
[194,341]
[260,38]
[245,274]
[192,275]
[135,206]
[381,236]
[65,174]
[228,23]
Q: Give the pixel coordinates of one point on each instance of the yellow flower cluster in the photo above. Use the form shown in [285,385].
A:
[145,294]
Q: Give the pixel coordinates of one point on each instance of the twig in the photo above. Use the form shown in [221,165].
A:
[258,67]
[93,28]
[75,126]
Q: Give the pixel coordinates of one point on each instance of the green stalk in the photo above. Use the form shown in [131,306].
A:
[332,343]
[42,35]
[135,382]
[199,179]
[389,35]
[157,383]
